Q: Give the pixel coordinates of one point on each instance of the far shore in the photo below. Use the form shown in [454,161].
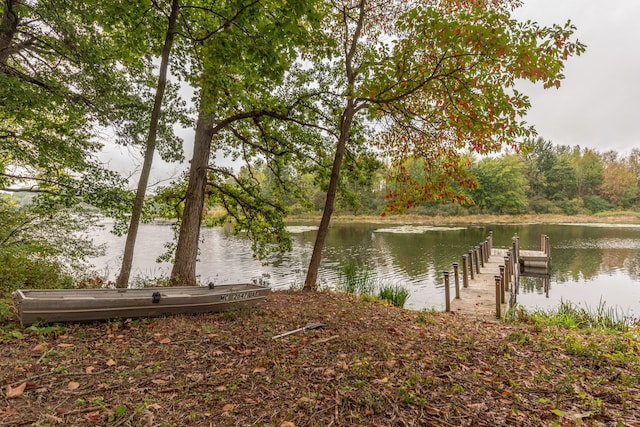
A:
[606,218]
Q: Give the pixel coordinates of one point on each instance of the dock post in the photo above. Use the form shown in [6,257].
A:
[516,269]
[456,279]
[503,285]
[498,302]
[490,241]
[547,250]
[465,278]
[481,254]
[487,250]
[475,258]
[471,263]
[447,303]
[507,272]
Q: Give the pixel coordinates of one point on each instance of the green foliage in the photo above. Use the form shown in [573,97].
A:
[5,310]
[69,76]
[507,185]
[501,186]
[571,316]
[396,294]
[595,204]
[355,279]
[43,246]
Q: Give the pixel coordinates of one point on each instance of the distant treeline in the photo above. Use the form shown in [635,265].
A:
[546,179]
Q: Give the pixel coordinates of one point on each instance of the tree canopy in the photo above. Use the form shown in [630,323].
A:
[436,80]
[67,79]
[302,94]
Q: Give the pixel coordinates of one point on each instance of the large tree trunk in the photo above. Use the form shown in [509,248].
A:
[127,259]
[184,265]
[8,28]
[310,283]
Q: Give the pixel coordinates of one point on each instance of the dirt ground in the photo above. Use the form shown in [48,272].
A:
[369,365]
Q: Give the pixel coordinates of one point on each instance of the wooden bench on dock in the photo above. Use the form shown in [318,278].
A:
[490,276]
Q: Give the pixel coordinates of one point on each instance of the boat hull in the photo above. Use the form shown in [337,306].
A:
[80,305]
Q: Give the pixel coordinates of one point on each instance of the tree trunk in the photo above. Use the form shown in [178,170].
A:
[310,283]
[127,259]
[8,29]
[184,265]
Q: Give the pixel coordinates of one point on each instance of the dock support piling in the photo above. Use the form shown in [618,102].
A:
[465,277]
[502,283]
[498,302]
[476,261]
[447,296]
[487,250]
[507,272]
[456,279]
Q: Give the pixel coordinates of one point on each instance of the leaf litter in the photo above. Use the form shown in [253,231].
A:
[370,365]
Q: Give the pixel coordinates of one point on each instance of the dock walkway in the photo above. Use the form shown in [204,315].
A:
[492,274]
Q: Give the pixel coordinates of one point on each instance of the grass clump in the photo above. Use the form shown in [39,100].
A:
[395,294]
[355,279]
[358,280]
[571,316]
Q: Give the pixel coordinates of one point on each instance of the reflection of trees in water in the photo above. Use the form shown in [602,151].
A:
[576,264]
[586,264]
[578,253]
[532,284]
[627,260]
[632,266]
[432,250]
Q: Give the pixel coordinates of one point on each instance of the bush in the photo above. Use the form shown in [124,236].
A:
[596,204]
[573,207]
[540,205]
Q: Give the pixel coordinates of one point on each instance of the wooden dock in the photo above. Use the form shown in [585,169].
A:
[489,278]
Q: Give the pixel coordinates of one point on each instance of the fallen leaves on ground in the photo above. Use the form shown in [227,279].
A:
[371,365]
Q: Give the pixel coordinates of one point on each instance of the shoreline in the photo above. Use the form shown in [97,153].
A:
[624,218]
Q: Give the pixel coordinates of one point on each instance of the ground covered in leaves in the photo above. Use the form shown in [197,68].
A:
[370,365]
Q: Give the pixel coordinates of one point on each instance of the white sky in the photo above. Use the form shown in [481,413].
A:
[597,103]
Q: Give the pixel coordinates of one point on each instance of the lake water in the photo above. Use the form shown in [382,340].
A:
[591,263]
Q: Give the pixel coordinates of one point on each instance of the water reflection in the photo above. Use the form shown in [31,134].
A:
[590,263]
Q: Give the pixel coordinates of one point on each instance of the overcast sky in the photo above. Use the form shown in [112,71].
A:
[597,103]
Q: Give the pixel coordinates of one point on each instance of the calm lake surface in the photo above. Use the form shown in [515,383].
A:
[591,263]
